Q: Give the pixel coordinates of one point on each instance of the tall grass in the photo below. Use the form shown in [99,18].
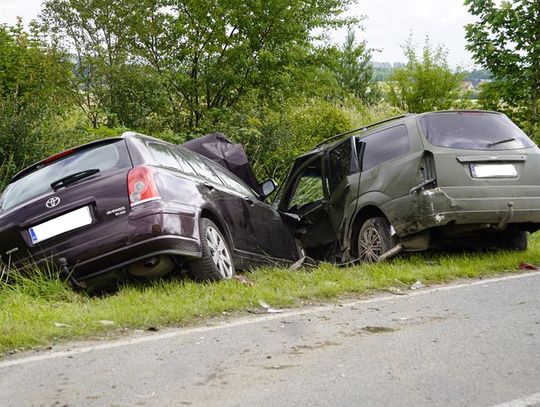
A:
[39,308]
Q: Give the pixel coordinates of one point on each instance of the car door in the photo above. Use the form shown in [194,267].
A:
[230,205]
[271,237]
[323,192]
[343,173]
[306,196]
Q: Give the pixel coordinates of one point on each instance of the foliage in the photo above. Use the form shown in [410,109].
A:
[199,55]
[353,68]
[426,82]
[506,40]
[274,135]
[177,70]
[34,92]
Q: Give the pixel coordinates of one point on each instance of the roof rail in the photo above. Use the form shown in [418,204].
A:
[363,128]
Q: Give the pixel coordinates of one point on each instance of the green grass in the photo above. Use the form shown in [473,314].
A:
[30,307]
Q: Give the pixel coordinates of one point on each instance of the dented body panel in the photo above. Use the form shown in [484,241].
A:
[122,232]
[434,177]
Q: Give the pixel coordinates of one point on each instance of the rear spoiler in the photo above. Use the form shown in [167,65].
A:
[56,157]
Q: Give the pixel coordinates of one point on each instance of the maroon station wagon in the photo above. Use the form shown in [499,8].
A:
[138,206]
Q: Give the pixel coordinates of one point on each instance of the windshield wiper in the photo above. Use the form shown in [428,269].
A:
[70,179]
[507,140]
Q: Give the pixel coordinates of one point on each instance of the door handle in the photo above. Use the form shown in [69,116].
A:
[249,201]
[209,186]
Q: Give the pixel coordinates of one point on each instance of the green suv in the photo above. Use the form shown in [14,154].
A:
[466,178]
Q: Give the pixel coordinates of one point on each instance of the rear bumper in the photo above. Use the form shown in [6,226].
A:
[116,259]
[440,207]
[148,231]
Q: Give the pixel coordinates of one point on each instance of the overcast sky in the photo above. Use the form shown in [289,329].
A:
[388,24]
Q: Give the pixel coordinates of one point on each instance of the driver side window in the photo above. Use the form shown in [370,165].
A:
[309,188]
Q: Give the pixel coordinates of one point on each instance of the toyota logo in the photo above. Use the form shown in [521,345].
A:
[52,202]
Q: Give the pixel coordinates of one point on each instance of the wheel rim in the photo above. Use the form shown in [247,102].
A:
[219,252]
[370,245]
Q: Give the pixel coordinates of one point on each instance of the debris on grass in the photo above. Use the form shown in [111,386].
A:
[396,291]
[418,285]
[243,280]
[527,266]
[61,325]
[268,308]
[297,264]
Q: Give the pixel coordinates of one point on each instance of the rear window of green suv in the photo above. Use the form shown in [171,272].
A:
[473,131]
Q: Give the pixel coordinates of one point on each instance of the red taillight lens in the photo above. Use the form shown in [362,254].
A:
[142,186]
[58,156]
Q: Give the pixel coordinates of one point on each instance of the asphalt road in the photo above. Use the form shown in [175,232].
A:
[464,345]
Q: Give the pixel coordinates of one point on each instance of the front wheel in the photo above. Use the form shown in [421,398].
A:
[374,239]
[216,261]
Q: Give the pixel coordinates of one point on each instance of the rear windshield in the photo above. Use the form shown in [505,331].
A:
[102,157]
[473,131]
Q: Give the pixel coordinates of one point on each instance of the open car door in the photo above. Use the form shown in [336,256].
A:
[319,193]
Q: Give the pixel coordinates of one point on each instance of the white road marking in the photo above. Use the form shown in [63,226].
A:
[533,399]
[252,320]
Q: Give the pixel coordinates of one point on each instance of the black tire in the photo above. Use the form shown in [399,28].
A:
[373,240]
[515,239]
[216,262]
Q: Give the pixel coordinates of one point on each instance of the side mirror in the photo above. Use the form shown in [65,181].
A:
[267,187]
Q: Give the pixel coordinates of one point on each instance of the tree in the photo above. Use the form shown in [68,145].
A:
[506,41]
[34,89]
[353,68]
[108,85]
[426,83]
[207,54]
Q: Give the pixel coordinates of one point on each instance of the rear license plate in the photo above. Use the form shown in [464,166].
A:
[62,224]
[493,170]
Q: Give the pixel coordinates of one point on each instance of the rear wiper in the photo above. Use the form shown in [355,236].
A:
[70,179]
[507,140]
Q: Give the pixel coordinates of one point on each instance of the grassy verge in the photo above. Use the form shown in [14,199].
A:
[42,311]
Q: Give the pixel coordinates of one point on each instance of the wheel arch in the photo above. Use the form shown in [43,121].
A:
[363,214]
[211,214]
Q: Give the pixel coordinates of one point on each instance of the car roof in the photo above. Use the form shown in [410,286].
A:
[376,126]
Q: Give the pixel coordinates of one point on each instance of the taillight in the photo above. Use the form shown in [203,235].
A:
[142,186]
[58,156]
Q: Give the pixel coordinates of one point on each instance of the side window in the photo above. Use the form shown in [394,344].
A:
[385,145]
[200,168]
[340,163]
[163,156]
[309,188]
[184,162]
[231,182]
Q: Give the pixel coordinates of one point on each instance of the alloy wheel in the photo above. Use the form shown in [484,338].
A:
[370,245]
[219,252]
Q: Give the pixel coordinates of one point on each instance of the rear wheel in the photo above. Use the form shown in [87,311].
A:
[216,261]
[374,239]
[514,239]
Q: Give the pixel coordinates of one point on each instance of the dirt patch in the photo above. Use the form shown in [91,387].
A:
[298,350]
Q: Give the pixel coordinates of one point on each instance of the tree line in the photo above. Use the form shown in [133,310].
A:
[263,72]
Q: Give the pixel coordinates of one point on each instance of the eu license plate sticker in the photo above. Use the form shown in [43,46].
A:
[62,224]
[493,170]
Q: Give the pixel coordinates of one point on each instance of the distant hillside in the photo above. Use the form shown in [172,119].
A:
[383,70]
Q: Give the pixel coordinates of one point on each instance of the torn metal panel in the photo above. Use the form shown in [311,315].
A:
[448,174]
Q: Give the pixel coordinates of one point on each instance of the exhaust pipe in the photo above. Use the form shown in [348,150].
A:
[508,217]
[68,276]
